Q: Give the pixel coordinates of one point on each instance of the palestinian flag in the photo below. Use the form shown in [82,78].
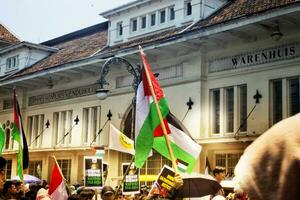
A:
[19,137]
[149,132]
[147,123]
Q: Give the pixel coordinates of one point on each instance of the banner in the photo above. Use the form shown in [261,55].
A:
[93,172]
[131,184]
[164,183]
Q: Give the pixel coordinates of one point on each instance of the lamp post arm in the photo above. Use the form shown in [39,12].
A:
[135,71]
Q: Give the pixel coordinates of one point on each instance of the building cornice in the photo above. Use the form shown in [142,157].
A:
[29,45]
[107,14]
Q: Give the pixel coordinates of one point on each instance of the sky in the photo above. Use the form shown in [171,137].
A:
[41,20]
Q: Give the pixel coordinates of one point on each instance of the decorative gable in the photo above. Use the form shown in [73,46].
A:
[19,56]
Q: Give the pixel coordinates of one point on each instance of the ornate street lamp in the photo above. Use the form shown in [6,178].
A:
[135,71]
[101,92]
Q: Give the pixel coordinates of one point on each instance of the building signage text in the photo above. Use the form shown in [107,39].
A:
[62,95]
[255,58]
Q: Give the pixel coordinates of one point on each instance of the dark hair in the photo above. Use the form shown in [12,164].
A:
[74,197]
[106,189]
[87,193]
[218,170]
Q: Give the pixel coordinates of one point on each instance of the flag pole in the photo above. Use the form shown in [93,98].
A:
[160,117]
[124,175]
[20,132]
[53,156]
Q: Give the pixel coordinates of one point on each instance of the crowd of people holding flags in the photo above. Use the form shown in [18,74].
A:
[278,178]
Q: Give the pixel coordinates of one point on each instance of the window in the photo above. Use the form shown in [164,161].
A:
[229,109]
[134,25]
[216,111]
[225,102]
[277,101]
[65,166]
[35,128]
[243,108]
[62,123]
[35,168]
[143,22]
[228,161]
[12,63]
[188,8]
[171,13]
[153,19]
[294,103]
[7,136]
[162,14]
[7,169]
[119,29]
[91,124]
[285,98]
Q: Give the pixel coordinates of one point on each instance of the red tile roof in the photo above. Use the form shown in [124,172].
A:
[70,51]
[7,36]
[243,8]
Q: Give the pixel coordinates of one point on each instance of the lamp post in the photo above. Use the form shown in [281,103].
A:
[135,71]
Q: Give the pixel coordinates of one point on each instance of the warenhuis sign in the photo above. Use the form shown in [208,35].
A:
[258,57]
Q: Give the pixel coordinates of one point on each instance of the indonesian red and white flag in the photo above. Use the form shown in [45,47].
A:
[57,188]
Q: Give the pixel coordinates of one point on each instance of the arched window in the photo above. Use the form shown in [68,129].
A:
[8,139]
[127,124]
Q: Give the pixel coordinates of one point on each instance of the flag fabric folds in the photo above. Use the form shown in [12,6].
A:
[185,149]
[207,167]
[120,142]
[148,129]
[57,187]
[2,138]
[147,123]
[19,136]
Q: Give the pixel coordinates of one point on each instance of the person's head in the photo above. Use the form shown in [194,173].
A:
[87,193]
[219,173]
[42,194]
[218,197]
[2,172]
[120,195]
[10,189]
[74,197]
[144,190]
[107,193]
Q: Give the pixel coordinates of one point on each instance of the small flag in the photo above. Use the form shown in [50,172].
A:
[57,188]
[2,139]
[19,136]
[120,142]
[182,166]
